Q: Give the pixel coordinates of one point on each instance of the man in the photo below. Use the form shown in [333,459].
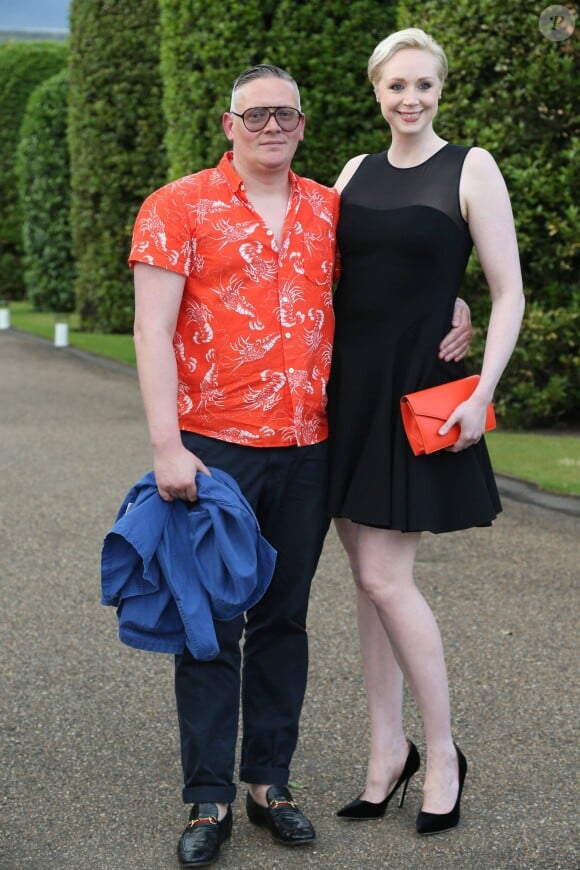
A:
[233,332]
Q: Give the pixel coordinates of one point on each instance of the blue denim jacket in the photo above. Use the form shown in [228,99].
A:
[171,568]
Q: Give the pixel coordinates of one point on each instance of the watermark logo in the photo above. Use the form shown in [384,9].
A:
[557,23]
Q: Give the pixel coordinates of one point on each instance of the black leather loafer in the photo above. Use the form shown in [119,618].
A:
[200,842]
[287,823]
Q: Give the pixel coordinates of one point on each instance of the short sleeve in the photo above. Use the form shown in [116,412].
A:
[163,234]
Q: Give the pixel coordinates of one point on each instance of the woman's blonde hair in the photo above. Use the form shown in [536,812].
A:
[412,37]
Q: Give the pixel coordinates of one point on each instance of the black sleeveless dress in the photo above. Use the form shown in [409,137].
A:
[404,248]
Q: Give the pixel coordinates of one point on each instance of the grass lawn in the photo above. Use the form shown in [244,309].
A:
[118,347]
[550,460]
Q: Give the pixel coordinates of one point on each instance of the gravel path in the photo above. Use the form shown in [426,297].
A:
[90,764]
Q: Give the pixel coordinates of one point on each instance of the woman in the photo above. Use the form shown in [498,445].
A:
[409,218]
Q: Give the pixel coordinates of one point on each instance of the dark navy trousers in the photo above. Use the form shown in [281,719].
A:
[263,658]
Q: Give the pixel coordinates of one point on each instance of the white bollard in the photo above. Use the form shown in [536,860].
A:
[4,318]
[61,334]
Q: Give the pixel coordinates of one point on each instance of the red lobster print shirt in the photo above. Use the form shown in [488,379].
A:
[254,333]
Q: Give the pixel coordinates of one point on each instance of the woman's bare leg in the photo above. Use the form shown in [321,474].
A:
[384,685]
[385,561]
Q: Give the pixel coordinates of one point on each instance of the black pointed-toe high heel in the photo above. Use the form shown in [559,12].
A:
[359,809]
[437,823]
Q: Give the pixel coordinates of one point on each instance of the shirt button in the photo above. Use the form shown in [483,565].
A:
[288,335]
[269,232]
[291,371]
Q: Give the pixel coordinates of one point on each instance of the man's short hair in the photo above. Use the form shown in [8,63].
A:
[261,71]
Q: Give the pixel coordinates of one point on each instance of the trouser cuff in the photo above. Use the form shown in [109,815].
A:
[265,775]
[216,794]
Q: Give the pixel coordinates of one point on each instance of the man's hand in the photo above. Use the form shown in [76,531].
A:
[175,472]
[456,343]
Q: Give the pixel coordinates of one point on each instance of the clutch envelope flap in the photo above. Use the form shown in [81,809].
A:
[439,402]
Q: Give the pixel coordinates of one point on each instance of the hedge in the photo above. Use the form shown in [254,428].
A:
[116,144]
[541,385]
[326,46]
[321,45]
[512,91]
[23,66]
[43,170]
[202,52]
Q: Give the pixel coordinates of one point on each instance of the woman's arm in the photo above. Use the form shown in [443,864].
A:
[487,209]
[348,171]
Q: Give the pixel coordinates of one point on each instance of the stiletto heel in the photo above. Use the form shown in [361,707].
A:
[437,823]
[403,793]
[359,809]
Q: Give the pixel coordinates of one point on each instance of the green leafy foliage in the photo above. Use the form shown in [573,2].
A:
[511,90]
[541,385]
[116,144]
[324,46]
[203,49]
[23,66]
[43,170]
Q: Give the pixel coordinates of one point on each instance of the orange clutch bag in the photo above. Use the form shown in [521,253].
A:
[425,411]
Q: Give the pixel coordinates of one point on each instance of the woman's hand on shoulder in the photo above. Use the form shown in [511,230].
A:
[348,171]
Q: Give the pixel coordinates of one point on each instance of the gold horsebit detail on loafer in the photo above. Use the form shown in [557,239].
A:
[211,819]
[275,804]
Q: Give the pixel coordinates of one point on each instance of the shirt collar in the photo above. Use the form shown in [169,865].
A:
[227,169]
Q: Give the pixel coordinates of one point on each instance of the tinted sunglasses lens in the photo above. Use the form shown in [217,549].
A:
[256,119]
[288,119]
